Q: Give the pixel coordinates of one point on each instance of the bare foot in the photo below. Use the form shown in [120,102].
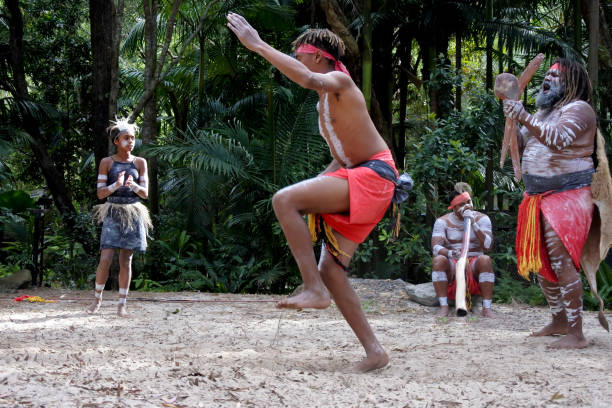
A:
[307,299]
[570,341]
[551,330]
[94,307]
[371,362]
[443,312]
[487,312]
[122,310]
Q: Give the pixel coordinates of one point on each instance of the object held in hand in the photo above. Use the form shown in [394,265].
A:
[508,87]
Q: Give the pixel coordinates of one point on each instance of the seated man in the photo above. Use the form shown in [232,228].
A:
[446,242]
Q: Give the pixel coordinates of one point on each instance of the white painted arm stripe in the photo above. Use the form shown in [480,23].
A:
[436,249]
[102,177]
[487,243]
[100,185]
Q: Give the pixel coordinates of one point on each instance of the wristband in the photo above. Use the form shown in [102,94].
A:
[450,254]
[113,187]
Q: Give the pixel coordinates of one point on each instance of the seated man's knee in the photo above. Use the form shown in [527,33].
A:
[484,263]
[440,263]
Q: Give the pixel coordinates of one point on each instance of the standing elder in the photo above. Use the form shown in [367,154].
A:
[556,213]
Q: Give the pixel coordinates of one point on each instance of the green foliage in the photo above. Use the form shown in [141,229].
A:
[604,288]
[508,290]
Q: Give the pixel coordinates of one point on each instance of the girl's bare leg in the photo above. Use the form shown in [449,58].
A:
[350,306]
[317,195]
[125,277]
[106,257]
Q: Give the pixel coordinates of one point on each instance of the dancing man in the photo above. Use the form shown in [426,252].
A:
[446,242]
[348,199]
[122,180]
[557,209]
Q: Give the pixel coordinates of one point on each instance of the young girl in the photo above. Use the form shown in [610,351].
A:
[122,180]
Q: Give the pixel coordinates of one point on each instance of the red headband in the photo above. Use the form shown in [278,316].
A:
[465,196]
[557,67]
[311,49]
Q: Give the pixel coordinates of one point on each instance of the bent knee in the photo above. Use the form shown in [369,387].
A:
[440,262]
[484,261]
[282,200]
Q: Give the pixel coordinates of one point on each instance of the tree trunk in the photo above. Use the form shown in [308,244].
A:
[149,121]
[458,67]
[399,146]
[593,64]
[339,25]
[576,22]
[54,179]
[101,23]
[489,86]
[366,56]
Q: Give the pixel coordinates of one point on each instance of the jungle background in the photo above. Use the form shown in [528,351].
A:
[222,130]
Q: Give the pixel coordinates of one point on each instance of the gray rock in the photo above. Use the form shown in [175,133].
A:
[18,280]
[422,293]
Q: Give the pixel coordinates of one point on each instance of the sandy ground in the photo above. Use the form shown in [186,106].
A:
[243,354]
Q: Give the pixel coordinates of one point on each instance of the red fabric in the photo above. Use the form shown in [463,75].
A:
[370,196]
[570,214]
[311,49]
[21,298]
[472,284]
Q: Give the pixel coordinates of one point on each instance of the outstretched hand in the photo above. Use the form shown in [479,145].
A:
[247,35]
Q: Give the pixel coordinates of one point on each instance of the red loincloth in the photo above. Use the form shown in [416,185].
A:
[569,213]
[472,285]
[370,196]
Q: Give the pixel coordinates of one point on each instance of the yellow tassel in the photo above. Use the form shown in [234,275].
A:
[398,217]
[531,261]
[39,299]
[312,227]
[333,247]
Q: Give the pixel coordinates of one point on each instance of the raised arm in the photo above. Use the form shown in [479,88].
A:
[289,66]
[482,228]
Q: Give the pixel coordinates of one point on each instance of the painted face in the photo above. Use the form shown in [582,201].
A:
[551,91]
[461,207]
[126,141]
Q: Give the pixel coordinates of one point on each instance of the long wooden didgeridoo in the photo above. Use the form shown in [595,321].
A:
[508,87]
[461,288]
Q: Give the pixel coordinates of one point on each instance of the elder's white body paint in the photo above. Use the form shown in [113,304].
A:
[565,142]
